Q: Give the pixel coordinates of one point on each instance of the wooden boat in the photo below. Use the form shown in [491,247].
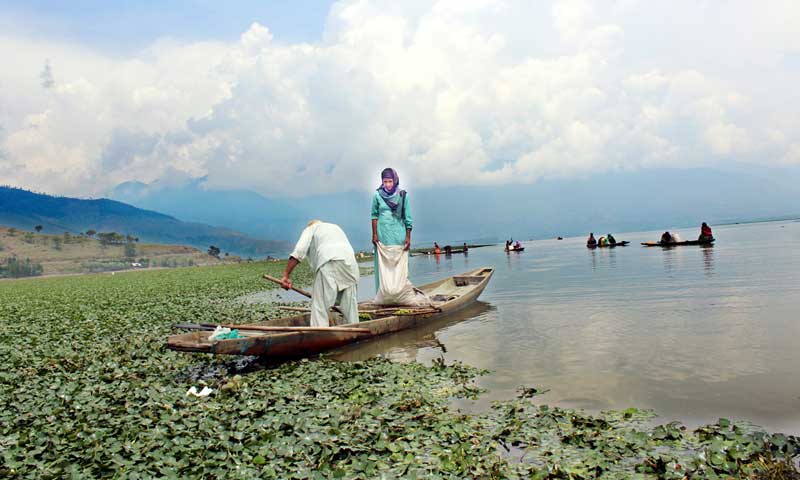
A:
[520,249]
[443,252]
[623,243]
[448,295]
[678,244]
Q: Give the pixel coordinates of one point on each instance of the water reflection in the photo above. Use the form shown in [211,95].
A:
[708,259]
[405,345]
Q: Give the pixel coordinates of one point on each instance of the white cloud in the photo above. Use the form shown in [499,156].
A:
[479,91]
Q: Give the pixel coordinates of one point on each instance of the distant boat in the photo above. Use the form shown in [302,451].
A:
[559,238]
[678,244]
[515,249]
[623,243]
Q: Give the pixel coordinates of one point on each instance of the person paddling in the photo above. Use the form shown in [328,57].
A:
[705,233]
[591,242]
[333,263]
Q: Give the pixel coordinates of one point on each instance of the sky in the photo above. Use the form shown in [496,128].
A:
[309,97]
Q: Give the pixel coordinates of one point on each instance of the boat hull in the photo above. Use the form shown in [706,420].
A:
[624,243]
[301,344]
[678,244]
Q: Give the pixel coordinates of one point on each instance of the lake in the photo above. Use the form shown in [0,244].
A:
[695,333]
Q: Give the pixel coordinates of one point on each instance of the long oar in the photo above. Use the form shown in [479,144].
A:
[266,328]
[278,281]
[298,290]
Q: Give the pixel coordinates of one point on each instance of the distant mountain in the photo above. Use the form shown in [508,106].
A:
[24,209]
[241,210]
[607,202]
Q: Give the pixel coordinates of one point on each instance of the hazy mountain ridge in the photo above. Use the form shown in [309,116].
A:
[25,209]
[606,202]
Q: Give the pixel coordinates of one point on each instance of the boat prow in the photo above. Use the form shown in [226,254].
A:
[447,295]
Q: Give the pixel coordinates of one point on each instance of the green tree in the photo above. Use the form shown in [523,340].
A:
[38,228]
[130,251]
[214,251]
[110,238]
[14,268]
[12,232]
[90,233]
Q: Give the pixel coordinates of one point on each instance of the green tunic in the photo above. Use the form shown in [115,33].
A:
[391,230]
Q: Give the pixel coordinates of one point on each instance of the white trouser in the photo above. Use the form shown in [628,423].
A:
[334,283]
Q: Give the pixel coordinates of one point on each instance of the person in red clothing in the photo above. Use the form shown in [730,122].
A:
[705,233]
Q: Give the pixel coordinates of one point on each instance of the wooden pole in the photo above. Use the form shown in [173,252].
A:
[266,328]
[294,309]
[278,281]
[298,290]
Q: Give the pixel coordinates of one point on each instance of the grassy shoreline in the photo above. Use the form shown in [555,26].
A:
[87,389]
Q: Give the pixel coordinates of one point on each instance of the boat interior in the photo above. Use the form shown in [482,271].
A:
[441,293]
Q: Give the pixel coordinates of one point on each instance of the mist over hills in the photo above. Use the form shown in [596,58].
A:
[607,202]
[24,209]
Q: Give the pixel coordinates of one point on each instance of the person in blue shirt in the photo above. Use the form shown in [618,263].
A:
[391,216]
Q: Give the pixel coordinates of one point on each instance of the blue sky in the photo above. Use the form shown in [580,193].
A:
[123,25]
[286,98]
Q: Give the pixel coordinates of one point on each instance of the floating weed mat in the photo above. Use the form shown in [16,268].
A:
[87,390]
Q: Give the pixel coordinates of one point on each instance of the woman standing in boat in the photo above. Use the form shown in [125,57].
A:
[391,217]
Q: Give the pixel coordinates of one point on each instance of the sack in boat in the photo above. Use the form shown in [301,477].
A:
[395,287]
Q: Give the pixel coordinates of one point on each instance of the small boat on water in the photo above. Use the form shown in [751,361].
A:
[678,244]
[623,243]
[448,295]
[443,252]
[520,249]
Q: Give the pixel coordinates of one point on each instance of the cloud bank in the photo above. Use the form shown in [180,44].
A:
[456,92]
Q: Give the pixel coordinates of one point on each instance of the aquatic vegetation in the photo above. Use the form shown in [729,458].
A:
[88,390]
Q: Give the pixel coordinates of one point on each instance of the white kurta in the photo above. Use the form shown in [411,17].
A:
[333,262]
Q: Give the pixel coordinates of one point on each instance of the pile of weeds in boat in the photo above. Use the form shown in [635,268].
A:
[88,390]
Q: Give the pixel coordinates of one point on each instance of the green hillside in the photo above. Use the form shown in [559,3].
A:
[25,210]
[25,253]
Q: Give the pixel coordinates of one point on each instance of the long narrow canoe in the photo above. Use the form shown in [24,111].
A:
[448,295]
[678,244]
[520,249]
[623,243]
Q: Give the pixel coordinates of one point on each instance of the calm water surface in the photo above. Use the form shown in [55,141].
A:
[695,333]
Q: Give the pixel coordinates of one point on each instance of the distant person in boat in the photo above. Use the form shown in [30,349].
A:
[675,238]
[517,245]
[666,238]
[448,250]
[333,262]
[508,245]
[591,242]
[610,239]
[602,242]
[391,216]
[436,249]
[705,233]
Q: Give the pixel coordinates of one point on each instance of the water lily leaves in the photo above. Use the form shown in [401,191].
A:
[87,390]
